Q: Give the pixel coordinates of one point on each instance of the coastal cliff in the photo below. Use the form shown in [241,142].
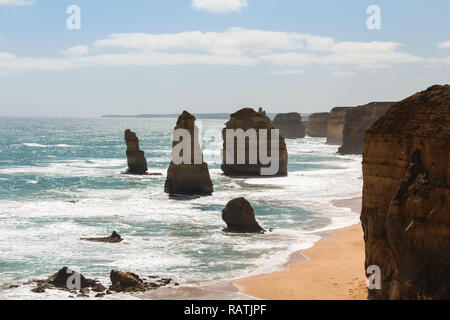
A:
[406,207]
[188,178]
[335,125]
[317,124]
[290,125]
[245,119]
[357,121]
[137,164]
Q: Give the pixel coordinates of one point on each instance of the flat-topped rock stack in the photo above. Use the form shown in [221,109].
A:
[335,125]
[357,121]
[246,119]
[137,164]
[318,124]
[406,197]
[290,125]
[189,178]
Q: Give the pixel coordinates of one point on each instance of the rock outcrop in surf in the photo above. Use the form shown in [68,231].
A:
[137,164]
[240,217]
[317,124]
[246,119]
[357,121]
[189,178]
[113,238]
[406,197]
[122,281]
[290,125]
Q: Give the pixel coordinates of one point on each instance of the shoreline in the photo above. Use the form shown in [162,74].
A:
[288,282]
[333,269]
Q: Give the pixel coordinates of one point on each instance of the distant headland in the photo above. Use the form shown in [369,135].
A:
[197,116]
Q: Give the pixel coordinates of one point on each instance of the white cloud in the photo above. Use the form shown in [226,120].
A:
[287,72]
[346,74]
[232,47]
[10,62]
[219,6]
[16,2]
[444,45]
[79,50]
[232,41]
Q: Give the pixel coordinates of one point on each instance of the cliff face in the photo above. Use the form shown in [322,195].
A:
[188,178]
[137,164]
[317,124]
[357,121]
[290,125]
[335,125]
[245,119]
[406,197]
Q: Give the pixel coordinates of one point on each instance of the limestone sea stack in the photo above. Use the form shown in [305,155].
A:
[406,197]
[189,178]
[240,217]
[137,164]
[317,124]
[246,119]
[335,125]
[357,121]
[290,125]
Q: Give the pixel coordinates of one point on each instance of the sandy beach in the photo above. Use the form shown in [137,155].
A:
[333,270]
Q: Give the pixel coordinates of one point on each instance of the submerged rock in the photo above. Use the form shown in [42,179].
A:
[113,238]
[357,121]
[189,178]
[137,164]
[290,125]
[240,217]
[335,125]
[246,119]
[406,207]
[317,124]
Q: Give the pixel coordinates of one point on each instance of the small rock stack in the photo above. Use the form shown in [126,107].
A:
[137,164]
[290,125]
[240,217]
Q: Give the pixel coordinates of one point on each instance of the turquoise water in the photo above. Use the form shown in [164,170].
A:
[60,180]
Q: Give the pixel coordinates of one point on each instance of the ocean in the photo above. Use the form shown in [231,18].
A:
[62,179]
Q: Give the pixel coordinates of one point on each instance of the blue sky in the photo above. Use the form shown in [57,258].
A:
[154,56]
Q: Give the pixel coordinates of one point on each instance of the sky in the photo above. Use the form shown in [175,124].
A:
[205,56]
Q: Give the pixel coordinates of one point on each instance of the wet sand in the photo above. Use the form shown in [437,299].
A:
[333,269]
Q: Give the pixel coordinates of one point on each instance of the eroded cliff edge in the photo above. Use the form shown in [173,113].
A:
[357,121]
[317,124]
[406,210]
[335,126]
